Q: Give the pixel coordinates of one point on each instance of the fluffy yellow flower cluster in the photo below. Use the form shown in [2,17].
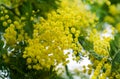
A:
[101,47]
[59,32]
[14,31]
[109,19]
[94,35]
[97,72]
[51,36]
[114,10]
[11,35]
[100,44]
[107,72]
